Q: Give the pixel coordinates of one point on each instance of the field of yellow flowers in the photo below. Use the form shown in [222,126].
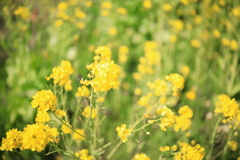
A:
[113,80]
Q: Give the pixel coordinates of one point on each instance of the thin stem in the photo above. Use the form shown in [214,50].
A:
[212,139]
[226,146]
[114,150]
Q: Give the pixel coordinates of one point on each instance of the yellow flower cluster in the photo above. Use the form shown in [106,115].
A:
[151,57]
[103,71]
[122,54]
[183,121]
[76,18]
[79,135]
[141,156]
[233,145]
[34,137]
[83,155]
[83,91]
[88,112]
[61,74]
[168,118]
[44,100]
[177,82]
[228,107]
[106,6]
[189,152]
[66,128]
[23,12]
[123,132]
[159,87]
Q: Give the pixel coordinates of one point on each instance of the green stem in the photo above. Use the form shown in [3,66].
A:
[212,139]
[114,150]
[226,146]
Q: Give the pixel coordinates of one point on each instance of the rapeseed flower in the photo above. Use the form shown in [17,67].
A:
[88,112]
[141,156]
[23,12]
[177,82]
[228,107]
[147,4]
[61,74]
[83,91]
[36,136]
[79,135]
[123,132]
[233,145]
[83,155]
[189,152]
[12,141]
[183,121]
[104,72]
[66,128]
[60,113]
[167,118]
[42,117]
[44,100]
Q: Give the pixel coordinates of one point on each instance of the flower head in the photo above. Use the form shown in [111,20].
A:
[140,156]
[123,132]
[36,136]
[12,141]
[44,100]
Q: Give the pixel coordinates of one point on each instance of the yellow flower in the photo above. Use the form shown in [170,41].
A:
[88,112]
[122,10]
[165,148]
[143,101]
[233,145]
[122,54]
[177,25]
[62,6]
[106,5]
[23,12]
[195,43]
[79,135]
[185,70]
[104,72]
[83,91]
[141,156]
[83,155]
[233,45]
[189,152]
[42,117]
[183,121]
[228,107]
[80,14]
[167,119]
[137,91]
[58,23]
[100,99]
[68,85]
[159,87]
[60,113]
[225,42]
[44,100]
[112,31]
[12,141]
[185,2]
[147,4]
[36,136]
[61,73]
[80,25]
[216,33]
[177,82]
[191,95]
[166,7]
[66,128]
[123,132]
